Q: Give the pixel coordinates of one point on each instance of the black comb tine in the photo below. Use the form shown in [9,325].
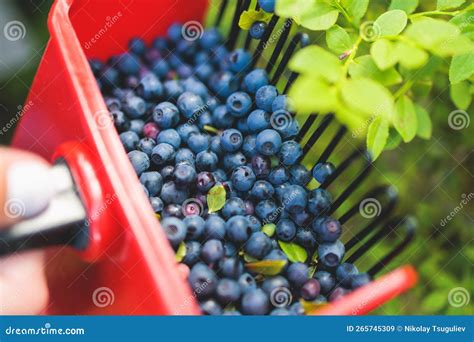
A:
[263,42]
[317,134]
[235,29]
[332,145]
[279,45]
[305,128]
[221,11]
[299,38]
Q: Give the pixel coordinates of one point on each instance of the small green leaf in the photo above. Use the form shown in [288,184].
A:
[248,258]
[377,136]
[368,97]
[267,267]
[405,120]
[442,5]
[216,198]
[181,252]
[311,271]
[292,8]
[249,17]
[356,8]
[338,40]
[269,229]
[431,33]
[383,53]
[311,307]
[390,23]
[364,66]
[424,123]
[318,17]
[461,68]
[460,94]
[211,129]
[394,139]
[410,56]
[409,6]
[314,60]
[303,91]
[294,252]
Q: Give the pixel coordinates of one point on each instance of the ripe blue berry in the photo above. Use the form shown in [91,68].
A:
[254,80]
[222,118]
[193,252]
[267,5]
[268,142]
[152,181]
[214,227]
[243,178]
[129,140]
[210,307]
[359,280]
[331,254]
[265,96]
[174,229]
[223,83]
[305,238]
[319,201]
[198,142]
[258,120]
[134,106]
[189,104]
[233,160]
[279,175]
[326,281]
[184,174]
[344,274]
[238,229]
[212,251]
[184,155]
[257,29]
[249,146]
[310,289]
[146,145]
[169,136]
[258,245]
[322,171]
[166,115]
[157,204]
[121,122]
[231,268]
[297,274]
[195,227]
[210,38]
[203,280]
[239,104]
[290,152]
[239,60]
[282,102]
[170,193]
[227,291]
[299,175]
[128,64]
[247,283]
[255,302]
[294,199]
[285,230]
[327,229]
[162,154]
[266,210]
[206,161]
[150,87]
[276,282]
[205,180]
[233,206]
[173,89]
[160,68]
[262,190]
[139,160]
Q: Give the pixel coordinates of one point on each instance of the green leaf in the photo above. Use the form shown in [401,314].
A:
[303,91]
[216,198]
[461,68]
[248,258]
[368,97]
[314,60]
[383,53]
[455,46]
[338,40]
[447,4]
[405,120]
[294,252]
[394,139]
[465,23]
[424,123]
[269,229]
[355,8]
[377,136]
[318,17]
[267,267]
[292,8]
[364,66]
[409,6]
[390,23]
[249,17]
[410,56]
[181,252]
[460,94]
[311,307]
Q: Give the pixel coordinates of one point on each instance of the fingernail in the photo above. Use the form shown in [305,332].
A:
[29,189]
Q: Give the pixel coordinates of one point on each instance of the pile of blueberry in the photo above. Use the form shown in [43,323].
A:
[192,118]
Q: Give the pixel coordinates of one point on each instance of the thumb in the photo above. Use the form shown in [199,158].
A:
[24,185]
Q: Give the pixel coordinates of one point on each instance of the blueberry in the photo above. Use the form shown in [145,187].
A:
[203,71]
[223,83]
[327,229]
[184,71]
[239,104]
[232,207]
[268,142]
[167,173]
[139,160]
[303,218]
[273,283]
[297,309]
[297,274]
[326,281]
[255,224]
[166,115]
[128,64]
[229,249]
[96,66]
[231,268]
[238,229]
[189,104]
[290,152]
[255,302]
[231,140]
[249,147]
[247,282]
[146,145]
[267,5]
[150,87]
[220,175]
[174,32]
[243,178]
[258,245]
[170,193]
[265,96]
[279,175]
[192,206]
[262,190]
[239,60]
[222,117]
[319,201]
[184,174]
[210,307]
[344,274]
[310,289]
[160,68]
[109,77]
[205,181]
[206,161]
[198,142]
[212,251]
[173,89]
[152,181]
[129,140]
[282,102]
[254,80]
[201,57]
[257,29]
[233,160]
[305,238]
[174,229]
[121,122]
[184,155]
[283,123]
[136,125]
[299,175]
[186,130]
[267,210]
[338,293]
[228,291]
[294,199]
[151,130]
[210,38]
[134,106]
[169,136]
[322,171]
[193,252]
[156,204]
[359,280]
[195,226]
[162,154]
[160,43]
[215,145]
[195,86]
[258,120]
[203,280]
[285,230]
[331,254]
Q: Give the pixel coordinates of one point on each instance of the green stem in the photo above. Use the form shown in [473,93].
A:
[352,55]
[433,13]
[403,89]
[345,14]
